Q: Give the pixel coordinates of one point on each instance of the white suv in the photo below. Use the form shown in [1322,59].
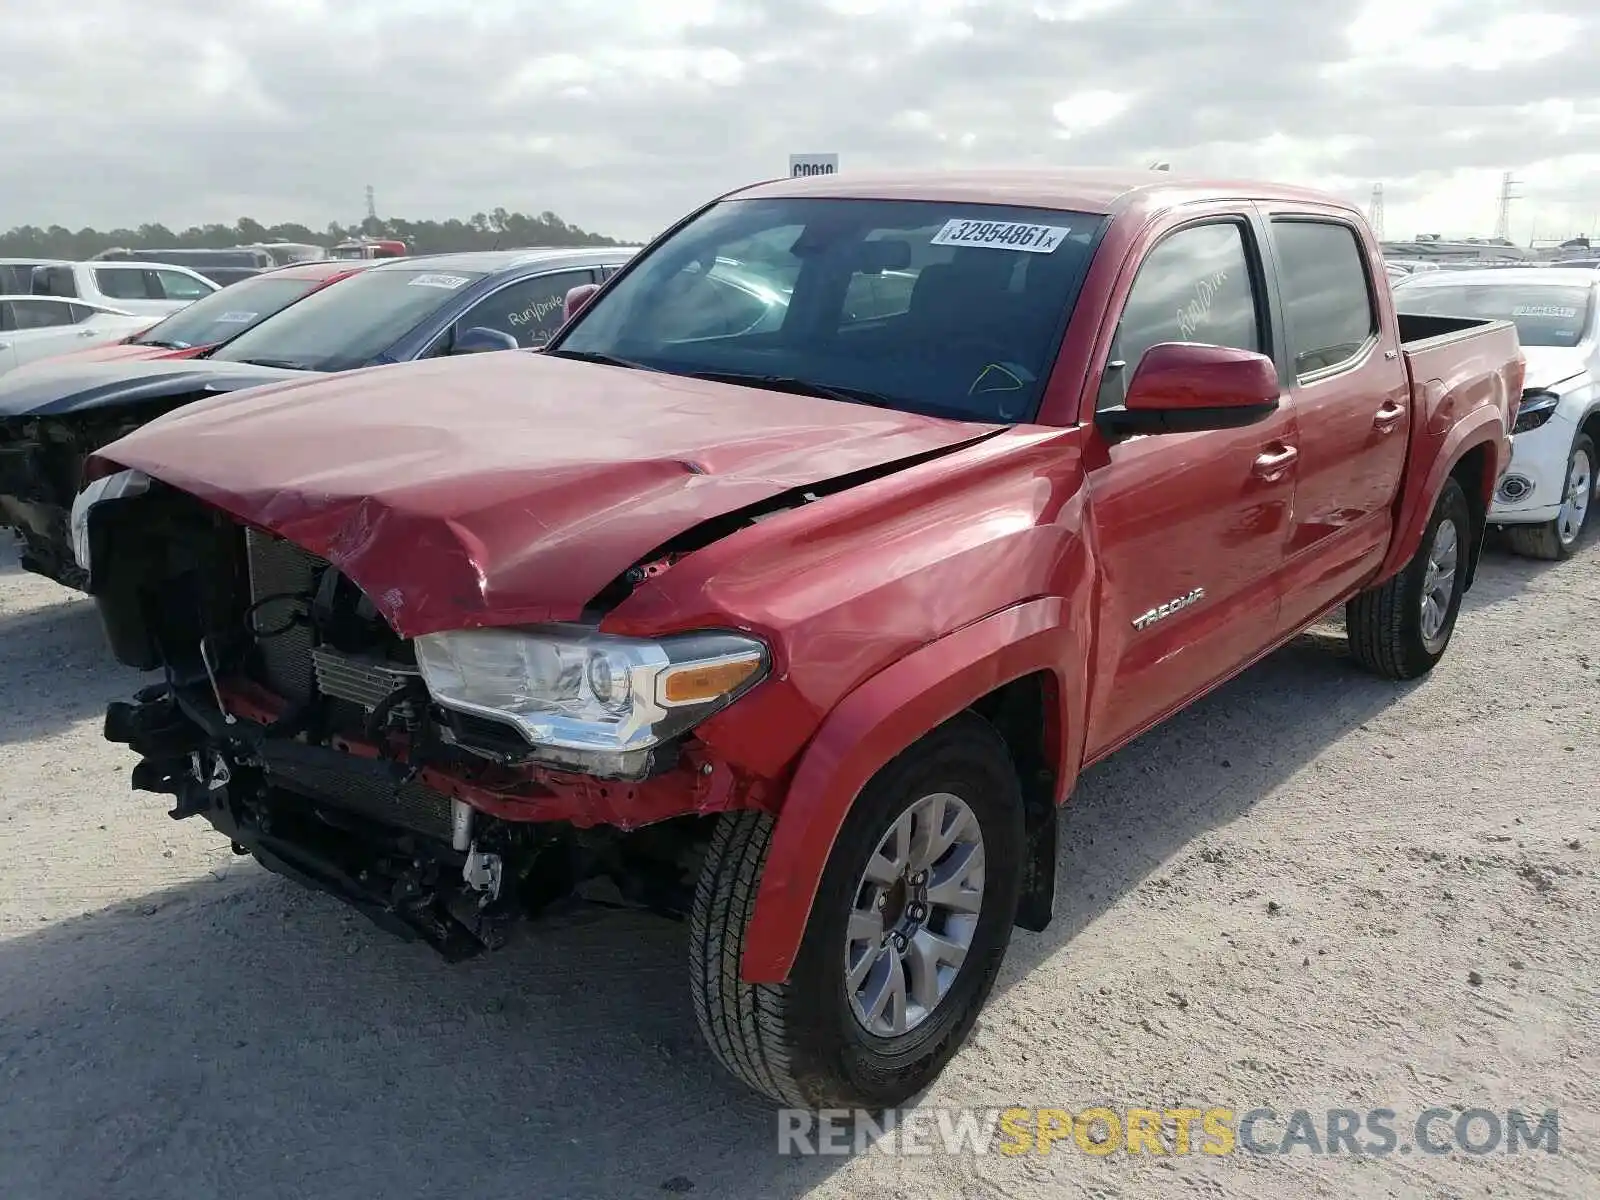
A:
[154,288]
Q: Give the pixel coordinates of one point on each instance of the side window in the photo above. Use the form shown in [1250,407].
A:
[120,283]
[1327,301]
[40,314]
[530,310]
[175,285]
[54,281]
[1195,286]
[729,299]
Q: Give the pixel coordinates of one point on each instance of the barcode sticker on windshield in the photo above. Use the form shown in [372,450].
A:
[235,318]
[1544,310]
[450,282]
[1001,235]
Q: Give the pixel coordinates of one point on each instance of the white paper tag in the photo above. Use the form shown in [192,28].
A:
[450,282]
[1544,310]
[1001,235]
[235,318]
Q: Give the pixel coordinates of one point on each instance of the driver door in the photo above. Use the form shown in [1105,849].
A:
[1192,526]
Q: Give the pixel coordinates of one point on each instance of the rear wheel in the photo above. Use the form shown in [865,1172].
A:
[1556,540]
[910,922]
[1400,629]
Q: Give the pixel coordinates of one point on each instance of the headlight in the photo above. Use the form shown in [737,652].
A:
[1538,406]
[108,487]
[586,699]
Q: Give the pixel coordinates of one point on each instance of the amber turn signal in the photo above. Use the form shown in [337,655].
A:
[698,682]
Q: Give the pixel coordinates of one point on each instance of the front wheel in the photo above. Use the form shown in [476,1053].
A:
[1555,540]
[1400,628]
[910,922]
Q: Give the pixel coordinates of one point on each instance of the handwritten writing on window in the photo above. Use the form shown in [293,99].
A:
[536,312]
[1196,314]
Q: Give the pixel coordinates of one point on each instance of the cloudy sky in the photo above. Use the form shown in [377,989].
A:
[620,114]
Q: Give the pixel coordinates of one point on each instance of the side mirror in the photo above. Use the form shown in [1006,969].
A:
[480,339]
[1183,387]
[577,298]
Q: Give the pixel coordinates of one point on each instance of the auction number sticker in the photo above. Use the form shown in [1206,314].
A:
[1001,235]
[450,282]
[235,318]
[1544,310]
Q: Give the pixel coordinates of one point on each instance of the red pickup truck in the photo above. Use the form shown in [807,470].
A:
[797,623]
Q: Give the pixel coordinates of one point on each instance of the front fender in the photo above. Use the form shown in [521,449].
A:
[1481,427]
[878,720]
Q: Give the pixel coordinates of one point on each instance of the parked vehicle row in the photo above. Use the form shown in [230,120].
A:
[790,586]
[54,415]
[136,287]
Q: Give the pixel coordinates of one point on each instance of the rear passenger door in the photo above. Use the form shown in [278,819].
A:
[1185,511]
[1352,399]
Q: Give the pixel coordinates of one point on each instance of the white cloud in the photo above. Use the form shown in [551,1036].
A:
[620,116]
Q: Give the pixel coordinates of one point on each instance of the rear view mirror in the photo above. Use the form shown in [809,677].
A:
[887,254]
[1181,387]
[480,339]
[576,299]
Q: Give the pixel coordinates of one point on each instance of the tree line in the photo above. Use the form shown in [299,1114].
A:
[481,231]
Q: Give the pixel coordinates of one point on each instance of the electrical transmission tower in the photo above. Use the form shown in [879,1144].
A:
[372,205]
[1375,212]
[1502,222]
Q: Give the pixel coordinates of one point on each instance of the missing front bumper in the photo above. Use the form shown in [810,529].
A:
[306,813]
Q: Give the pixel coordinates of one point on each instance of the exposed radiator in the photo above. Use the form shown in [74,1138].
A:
[278,567]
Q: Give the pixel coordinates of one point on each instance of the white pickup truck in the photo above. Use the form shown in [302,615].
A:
[156,289]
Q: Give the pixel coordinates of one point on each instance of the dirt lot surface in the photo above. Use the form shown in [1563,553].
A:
[1313,890]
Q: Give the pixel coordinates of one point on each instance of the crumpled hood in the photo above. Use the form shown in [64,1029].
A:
[52,388]
[508,488]
[1550,365]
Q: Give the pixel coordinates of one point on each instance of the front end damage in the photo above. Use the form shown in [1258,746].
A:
[294,720]
[41,470]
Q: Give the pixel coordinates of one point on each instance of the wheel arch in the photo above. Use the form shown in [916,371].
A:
[1008,668]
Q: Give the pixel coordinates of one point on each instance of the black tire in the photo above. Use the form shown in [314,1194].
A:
[1545,540]
[1384,624]
[799,1042]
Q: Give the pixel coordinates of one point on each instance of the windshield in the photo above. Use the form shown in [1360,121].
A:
[926,306]
[1545,314]
[349,323]
[224,315]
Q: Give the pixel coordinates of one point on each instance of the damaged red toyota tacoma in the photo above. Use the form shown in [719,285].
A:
[794,606]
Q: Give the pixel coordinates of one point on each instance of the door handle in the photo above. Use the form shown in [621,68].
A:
[1270,466]
[5,345]
[87,332]
[1388,416]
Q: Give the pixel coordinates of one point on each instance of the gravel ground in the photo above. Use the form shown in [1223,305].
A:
[1312,890]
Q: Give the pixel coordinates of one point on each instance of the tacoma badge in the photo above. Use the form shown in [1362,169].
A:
[1162,611]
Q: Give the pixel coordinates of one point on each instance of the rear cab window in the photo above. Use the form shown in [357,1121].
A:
[1330,312]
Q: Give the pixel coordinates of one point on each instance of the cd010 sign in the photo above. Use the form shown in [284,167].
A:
[803,166]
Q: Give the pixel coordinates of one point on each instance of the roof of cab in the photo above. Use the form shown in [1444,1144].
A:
[1078,189]
[503,260]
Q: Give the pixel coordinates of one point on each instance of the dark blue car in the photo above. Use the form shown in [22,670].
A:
[53,417]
